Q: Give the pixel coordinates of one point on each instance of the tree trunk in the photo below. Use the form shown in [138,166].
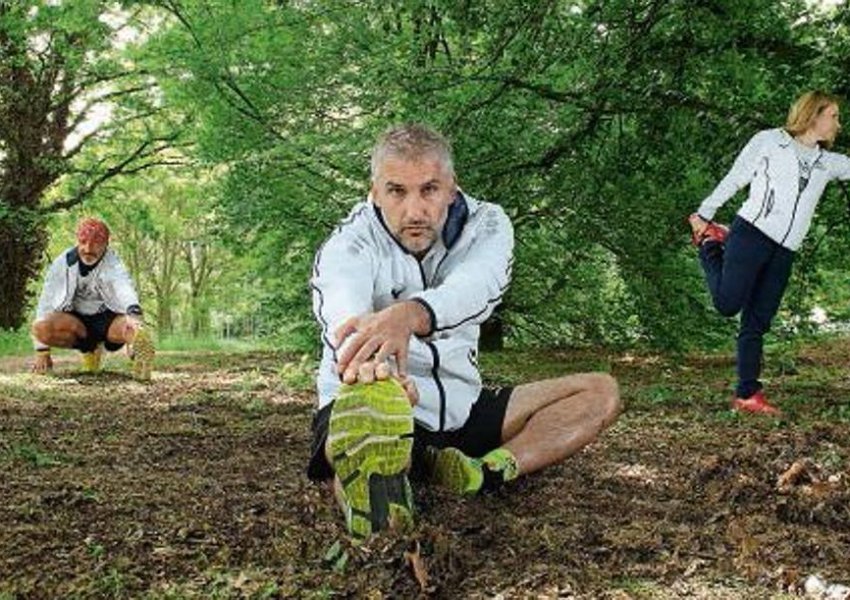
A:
[164,316]
[21,248]
[492,333]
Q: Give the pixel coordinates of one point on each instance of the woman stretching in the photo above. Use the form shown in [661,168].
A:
[747,266]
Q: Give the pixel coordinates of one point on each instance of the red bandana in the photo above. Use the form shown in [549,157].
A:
[92,230]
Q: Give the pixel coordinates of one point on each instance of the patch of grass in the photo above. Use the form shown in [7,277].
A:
[25,391]
[96,550]
[178,343]
[255,408]
[223,585]
[35,456]
[252,380]
[299,375]
[657,395]
[638,588]
[14,343]
[514,366]
[113,584]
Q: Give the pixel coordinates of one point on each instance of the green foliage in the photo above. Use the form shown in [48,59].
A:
[597,125]
[299,375]
[75,114]
[14,342]
[185,343]
[34,455]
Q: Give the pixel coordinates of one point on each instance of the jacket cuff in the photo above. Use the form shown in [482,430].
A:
[432,317]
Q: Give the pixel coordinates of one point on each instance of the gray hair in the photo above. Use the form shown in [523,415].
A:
[412,141]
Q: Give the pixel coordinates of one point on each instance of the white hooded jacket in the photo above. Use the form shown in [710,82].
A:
[362,268]
[110,279]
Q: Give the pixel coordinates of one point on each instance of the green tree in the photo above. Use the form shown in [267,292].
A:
[598,125]
[61,72]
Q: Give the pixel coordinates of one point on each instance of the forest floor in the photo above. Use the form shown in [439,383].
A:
[193,486]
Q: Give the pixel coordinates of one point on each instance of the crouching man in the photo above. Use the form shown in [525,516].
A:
[89,303]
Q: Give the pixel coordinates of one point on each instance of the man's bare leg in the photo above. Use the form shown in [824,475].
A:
[59,330]
[547,421]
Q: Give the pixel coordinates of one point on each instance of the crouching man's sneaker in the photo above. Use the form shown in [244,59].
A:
[91,360]
[370,438]
[756,403]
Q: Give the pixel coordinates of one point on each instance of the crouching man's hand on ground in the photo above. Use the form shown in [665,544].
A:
[43,363]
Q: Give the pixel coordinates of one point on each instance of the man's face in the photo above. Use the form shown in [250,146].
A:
[414,197]
[90,250]
[827,124]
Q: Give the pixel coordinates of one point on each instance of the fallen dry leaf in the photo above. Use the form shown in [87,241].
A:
[418,566]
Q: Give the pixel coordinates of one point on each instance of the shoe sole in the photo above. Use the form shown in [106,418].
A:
[370,438]
[770,411]
[143,355]
[453,471]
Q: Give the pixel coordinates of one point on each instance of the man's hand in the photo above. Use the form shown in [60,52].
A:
[43,363]
[410,389]
[132,324]
[370,371]
[378,337]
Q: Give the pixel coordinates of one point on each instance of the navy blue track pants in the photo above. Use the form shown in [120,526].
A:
[749,275]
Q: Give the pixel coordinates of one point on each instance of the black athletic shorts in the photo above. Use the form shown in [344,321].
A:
[96,328]
[481,433]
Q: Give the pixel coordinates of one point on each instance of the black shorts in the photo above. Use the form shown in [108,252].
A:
[96,328]
[481,433]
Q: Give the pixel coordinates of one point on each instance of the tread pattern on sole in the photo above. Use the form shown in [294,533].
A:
[143,355]
[370,438]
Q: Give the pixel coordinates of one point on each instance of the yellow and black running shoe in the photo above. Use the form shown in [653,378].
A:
[370,438]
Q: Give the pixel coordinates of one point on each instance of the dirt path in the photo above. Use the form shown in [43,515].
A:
[193,487]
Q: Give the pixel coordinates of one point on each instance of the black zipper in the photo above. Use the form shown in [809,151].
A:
[435,373]
[435,355]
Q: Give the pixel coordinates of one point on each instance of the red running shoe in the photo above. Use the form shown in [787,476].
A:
[756,403]
[714,232]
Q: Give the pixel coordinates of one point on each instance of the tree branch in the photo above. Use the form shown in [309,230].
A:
[124,167]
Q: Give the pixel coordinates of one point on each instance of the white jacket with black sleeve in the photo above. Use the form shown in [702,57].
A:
[362,268]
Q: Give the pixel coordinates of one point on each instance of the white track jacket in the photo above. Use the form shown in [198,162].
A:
[361,268]
[776,206]
[111,280]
